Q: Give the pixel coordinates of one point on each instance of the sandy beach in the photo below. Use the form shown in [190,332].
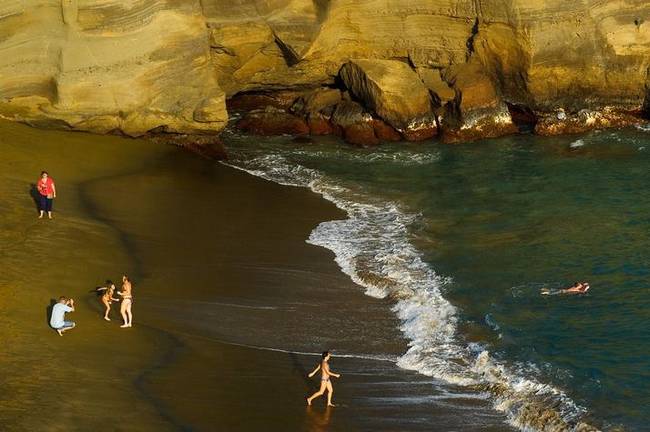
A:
[231,305]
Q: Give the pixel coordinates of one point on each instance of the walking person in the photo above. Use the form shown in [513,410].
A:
[107,298]
[127,301]
[47,193]
[325,381]
[57,320]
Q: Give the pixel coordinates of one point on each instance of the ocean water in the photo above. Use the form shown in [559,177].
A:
[461,239]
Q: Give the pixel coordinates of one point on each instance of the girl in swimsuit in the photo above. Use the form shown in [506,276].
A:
[127,300]
[107,298]
[325,382]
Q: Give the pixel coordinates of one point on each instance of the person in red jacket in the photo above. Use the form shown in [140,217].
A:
[47,192]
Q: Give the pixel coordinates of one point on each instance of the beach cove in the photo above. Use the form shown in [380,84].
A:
[231,306]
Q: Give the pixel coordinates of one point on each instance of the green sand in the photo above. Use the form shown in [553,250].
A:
[219,260]
[83,378]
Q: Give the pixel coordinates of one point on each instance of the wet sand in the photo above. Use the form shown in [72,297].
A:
[231,306]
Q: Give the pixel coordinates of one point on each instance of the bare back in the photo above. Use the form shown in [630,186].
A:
[325,370]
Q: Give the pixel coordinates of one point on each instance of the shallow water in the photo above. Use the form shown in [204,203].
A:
[463,238]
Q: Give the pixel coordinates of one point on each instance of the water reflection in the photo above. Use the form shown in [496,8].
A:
[317,420]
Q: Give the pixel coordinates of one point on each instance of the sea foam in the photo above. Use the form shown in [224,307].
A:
[372,246]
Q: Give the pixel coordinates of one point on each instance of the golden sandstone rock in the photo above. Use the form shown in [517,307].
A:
[394,91]
[135,66]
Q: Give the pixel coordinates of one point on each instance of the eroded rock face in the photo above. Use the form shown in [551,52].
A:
[395,92]
[102,66]
[356,124]
[273,121]
[561,123]
[166,65]
[478,110]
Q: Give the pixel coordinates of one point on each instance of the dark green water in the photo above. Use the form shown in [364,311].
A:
[485,227]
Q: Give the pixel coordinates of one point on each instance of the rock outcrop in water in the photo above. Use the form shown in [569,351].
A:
[460,69]
[394,91]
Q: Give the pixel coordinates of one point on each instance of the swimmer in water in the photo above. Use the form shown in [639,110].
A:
[325,381]
[576,288]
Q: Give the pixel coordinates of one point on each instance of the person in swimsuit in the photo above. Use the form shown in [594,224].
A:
[325,381]
[127,300]
[46,193]
[577,288]
[107,298]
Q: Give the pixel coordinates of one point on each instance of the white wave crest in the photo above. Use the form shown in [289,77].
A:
[372,246]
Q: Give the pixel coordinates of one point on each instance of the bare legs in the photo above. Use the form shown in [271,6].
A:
[324,385]
[40,215]
[108,309]
[330,393]
[125,310]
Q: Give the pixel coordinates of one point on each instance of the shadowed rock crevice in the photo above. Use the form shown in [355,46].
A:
[289,54]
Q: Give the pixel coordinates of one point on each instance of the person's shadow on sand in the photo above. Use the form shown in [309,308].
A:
[48,312]
[36,195]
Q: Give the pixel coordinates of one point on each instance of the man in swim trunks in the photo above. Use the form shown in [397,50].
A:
[325,382]
[57,320]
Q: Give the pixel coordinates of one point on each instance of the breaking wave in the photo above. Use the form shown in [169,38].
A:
[372,246]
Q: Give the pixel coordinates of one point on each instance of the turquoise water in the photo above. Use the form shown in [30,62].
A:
[491,223]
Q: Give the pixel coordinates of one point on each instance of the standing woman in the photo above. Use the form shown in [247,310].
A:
[107,299]
[127,299]
[47,192]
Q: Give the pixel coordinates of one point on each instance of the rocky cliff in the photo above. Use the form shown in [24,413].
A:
[369,70]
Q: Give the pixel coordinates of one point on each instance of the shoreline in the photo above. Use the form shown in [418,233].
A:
[251,298]
[256,283]
[527,402]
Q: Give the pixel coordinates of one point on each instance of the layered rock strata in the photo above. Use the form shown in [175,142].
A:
[103,66]
[450,68]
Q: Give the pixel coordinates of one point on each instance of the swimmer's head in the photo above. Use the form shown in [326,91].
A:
[325,355]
